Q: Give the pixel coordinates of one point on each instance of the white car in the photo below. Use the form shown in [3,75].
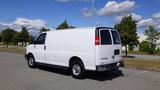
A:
[79,49]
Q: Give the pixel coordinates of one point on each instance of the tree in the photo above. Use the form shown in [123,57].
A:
[130,47]
[7,35]
[72,27]
[0,37]
[31,39]
[152,37]
[64,25]
[44,29]
[144,46]
[16,38]
[158,50]
[127,30]
[23,36]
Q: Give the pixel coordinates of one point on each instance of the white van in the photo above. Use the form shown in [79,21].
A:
[81,49]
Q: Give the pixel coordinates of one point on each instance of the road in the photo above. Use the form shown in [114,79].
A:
[15,75]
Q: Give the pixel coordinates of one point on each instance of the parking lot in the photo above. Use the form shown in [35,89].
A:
[15,75]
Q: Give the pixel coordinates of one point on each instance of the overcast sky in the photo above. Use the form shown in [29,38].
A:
[80,13]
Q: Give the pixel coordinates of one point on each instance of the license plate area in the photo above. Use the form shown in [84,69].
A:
[116,52]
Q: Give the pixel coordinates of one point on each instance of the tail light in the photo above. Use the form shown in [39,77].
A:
[97,39]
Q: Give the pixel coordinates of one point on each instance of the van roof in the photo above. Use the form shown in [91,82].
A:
[91,28]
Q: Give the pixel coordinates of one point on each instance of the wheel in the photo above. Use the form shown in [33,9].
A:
[31,61]
[115,69]
[78,70]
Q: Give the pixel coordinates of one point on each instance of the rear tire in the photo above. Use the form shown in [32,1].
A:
[115,69]
[78,70]
[31,61]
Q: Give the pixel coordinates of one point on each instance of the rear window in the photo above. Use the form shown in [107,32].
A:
[105,37]
[116,39]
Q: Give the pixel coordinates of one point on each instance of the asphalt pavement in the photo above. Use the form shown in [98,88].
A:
[16,75]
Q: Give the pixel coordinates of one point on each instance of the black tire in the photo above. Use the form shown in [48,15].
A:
[77,70]
[115,69]
[31,61]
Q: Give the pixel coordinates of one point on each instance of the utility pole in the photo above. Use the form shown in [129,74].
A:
[92,10]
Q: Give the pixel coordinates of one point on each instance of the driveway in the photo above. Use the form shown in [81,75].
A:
[15,75]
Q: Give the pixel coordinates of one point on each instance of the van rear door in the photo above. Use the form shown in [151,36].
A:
[116,46]
[109,49]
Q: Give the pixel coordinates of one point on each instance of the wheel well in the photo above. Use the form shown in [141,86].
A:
[29,54]
[73,59]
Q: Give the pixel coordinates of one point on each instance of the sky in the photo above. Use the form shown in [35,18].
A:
[35,14]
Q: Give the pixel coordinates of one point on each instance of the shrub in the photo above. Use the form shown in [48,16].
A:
[131,47]
[144,46]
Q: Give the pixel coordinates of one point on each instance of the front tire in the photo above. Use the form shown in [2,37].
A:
[31,61]
[78,70]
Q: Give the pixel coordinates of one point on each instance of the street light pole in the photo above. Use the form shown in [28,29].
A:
[92,9]
[92,4]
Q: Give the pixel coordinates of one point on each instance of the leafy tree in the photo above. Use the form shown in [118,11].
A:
[16,38]
[152,37]
[31,38]
[8,35]
[72,27]
[64,25]
[23,36]
[0,37]
[44,29]
[158,50]
[127,30]
[144,46]
[130,47]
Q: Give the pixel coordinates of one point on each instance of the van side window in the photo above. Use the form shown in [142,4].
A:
[41,39]
[105,37]
[116,39]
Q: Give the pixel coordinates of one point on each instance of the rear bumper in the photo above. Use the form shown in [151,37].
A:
[109,66]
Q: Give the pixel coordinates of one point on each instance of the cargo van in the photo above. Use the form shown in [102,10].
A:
[79,49]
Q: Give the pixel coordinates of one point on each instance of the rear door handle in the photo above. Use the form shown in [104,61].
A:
[44,47]
[113,57]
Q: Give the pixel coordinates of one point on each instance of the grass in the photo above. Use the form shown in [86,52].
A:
[143,53]
[138,52]
[142,64]
[18,50]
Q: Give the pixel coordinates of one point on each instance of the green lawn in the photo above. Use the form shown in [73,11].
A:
[18,50]
[144,53]
[142,64]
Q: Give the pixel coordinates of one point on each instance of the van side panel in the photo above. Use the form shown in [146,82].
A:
[62,45]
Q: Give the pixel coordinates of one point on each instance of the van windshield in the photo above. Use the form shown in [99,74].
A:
[116,39]
[105,37]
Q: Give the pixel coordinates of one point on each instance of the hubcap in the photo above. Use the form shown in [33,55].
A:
[31,61]
[76,69]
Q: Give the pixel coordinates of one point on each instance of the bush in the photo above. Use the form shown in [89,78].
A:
[0,37]
[158,49]
[152,49]
[144,46]
[131,47]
